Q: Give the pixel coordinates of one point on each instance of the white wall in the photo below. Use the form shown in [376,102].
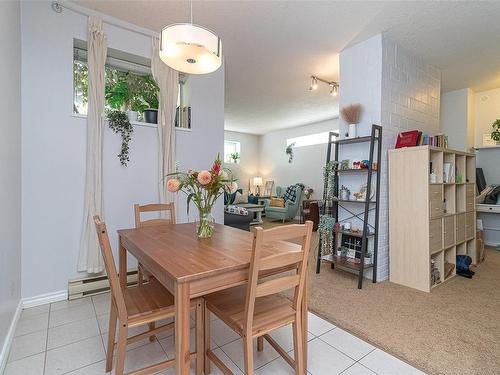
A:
[308,162]
[249,165]
[10,165]
[53,168]
[487,110]
[396,90]
[457,118]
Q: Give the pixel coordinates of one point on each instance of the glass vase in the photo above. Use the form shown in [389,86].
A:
[205,225]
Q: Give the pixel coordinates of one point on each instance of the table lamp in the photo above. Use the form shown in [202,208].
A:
[257,181]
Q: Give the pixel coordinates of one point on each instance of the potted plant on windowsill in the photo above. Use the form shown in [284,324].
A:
[149,94]
[495,132]
[235,156]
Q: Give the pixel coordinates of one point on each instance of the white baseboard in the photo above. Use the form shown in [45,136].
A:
[4,354]
[43,299]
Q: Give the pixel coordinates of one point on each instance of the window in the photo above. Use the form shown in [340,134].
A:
[129,83]
[309,140]
[231,152]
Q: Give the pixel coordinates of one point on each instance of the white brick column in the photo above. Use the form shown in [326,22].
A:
[397,90]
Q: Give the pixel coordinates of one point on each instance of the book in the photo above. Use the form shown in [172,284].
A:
[407,139]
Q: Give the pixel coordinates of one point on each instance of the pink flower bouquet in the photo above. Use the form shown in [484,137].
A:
[203,188]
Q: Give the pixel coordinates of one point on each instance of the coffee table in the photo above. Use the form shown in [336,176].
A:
[256,209]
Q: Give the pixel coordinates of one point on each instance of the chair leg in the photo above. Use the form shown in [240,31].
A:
[152,326]
[200,345]
[206,324]
[298,345]
[248,352]
[111,337]
[260,343]
[121,349]
[140,277]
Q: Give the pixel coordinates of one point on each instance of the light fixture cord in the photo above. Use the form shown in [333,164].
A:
[191,5]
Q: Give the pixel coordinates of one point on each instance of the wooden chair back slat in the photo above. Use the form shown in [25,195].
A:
[155,207]
[277,285]
[280,260]
[284,233]
[282,283]
[109,263]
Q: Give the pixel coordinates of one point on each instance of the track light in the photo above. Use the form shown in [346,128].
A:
[314,83]
[334,86]
[334,90]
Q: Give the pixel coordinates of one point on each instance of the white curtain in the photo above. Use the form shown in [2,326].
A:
[90,259]
[168,81]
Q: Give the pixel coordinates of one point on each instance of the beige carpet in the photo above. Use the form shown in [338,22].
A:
[453,330]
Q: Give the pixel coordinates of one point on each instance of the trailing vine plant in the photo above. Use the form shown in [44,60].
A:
[495,133]
[289,151]
[119,123]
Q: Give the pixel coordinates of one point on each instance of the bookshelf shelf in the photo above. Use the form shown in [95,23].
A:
[438,222]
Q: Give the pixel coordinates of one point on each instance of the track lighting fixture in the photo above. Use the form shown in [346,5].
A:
[334,89]
[314,83]
[334,86]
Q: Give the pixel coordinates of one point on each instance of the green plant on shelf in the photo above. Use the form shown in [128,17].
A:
[495,133]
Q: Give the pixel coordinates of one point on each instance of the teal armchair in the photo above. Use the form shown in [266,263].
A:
[291,208]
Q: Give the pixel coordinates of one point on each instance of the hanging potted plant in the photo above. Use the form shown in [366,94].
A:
[289,151]
[119,123]
[495,132]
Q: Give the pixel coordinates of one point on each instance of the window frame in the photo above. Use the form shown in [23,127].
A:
[237,148]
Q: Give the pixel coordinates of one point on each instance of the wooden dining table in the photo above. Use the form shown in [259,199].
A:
[190,267]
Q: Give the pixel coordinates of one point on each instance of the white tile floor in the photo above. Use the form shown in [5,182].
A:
[70,338]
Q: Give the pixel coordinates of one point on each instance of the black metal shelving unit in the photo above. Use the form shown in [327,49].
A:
[375,141]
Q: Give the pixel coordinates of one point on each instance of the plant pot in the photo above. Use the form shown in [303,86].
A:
[133,116]
[151,116]
[352,131]
[368,261]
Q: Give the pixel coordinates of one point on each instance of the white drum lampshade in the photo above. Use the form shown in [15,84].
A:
[190,48]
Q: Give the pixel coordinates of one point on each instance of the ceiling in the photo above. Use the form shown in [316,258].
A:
[271,48]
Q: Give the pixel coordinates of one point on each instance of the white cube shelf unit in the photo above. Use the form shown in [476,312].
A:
[430,222]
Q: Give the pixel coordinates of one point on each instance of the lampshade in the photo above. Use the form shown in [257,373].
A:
[257,181]
[190,48]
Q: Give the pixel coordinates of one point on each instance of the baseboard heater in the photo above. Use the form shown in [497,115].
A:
[92,285]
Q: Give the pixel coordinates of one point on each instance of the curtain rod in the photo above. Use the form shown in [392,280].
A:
[58,6]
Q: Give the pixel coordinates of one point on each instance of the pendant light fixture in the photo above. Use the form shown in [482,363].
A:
[190,48]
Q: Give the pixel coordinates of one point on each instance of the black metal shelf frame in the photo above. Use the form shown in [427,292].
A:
[375,137]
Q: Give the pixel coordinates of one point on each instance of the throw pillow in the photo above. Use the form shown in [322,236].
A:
[241,198]
[253,199]
[229,198]
[277,202]
[290,193]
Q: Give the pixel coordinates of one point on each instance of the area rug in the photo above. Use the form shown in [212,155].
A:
[454,330]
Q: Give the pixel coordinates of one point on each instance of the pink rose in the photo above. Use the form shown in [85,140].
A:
[173,185]
[204,177]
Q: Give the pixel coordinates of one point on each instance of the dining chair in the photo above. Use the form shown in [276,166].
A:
[134,306]
[155,207]
[256,309]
